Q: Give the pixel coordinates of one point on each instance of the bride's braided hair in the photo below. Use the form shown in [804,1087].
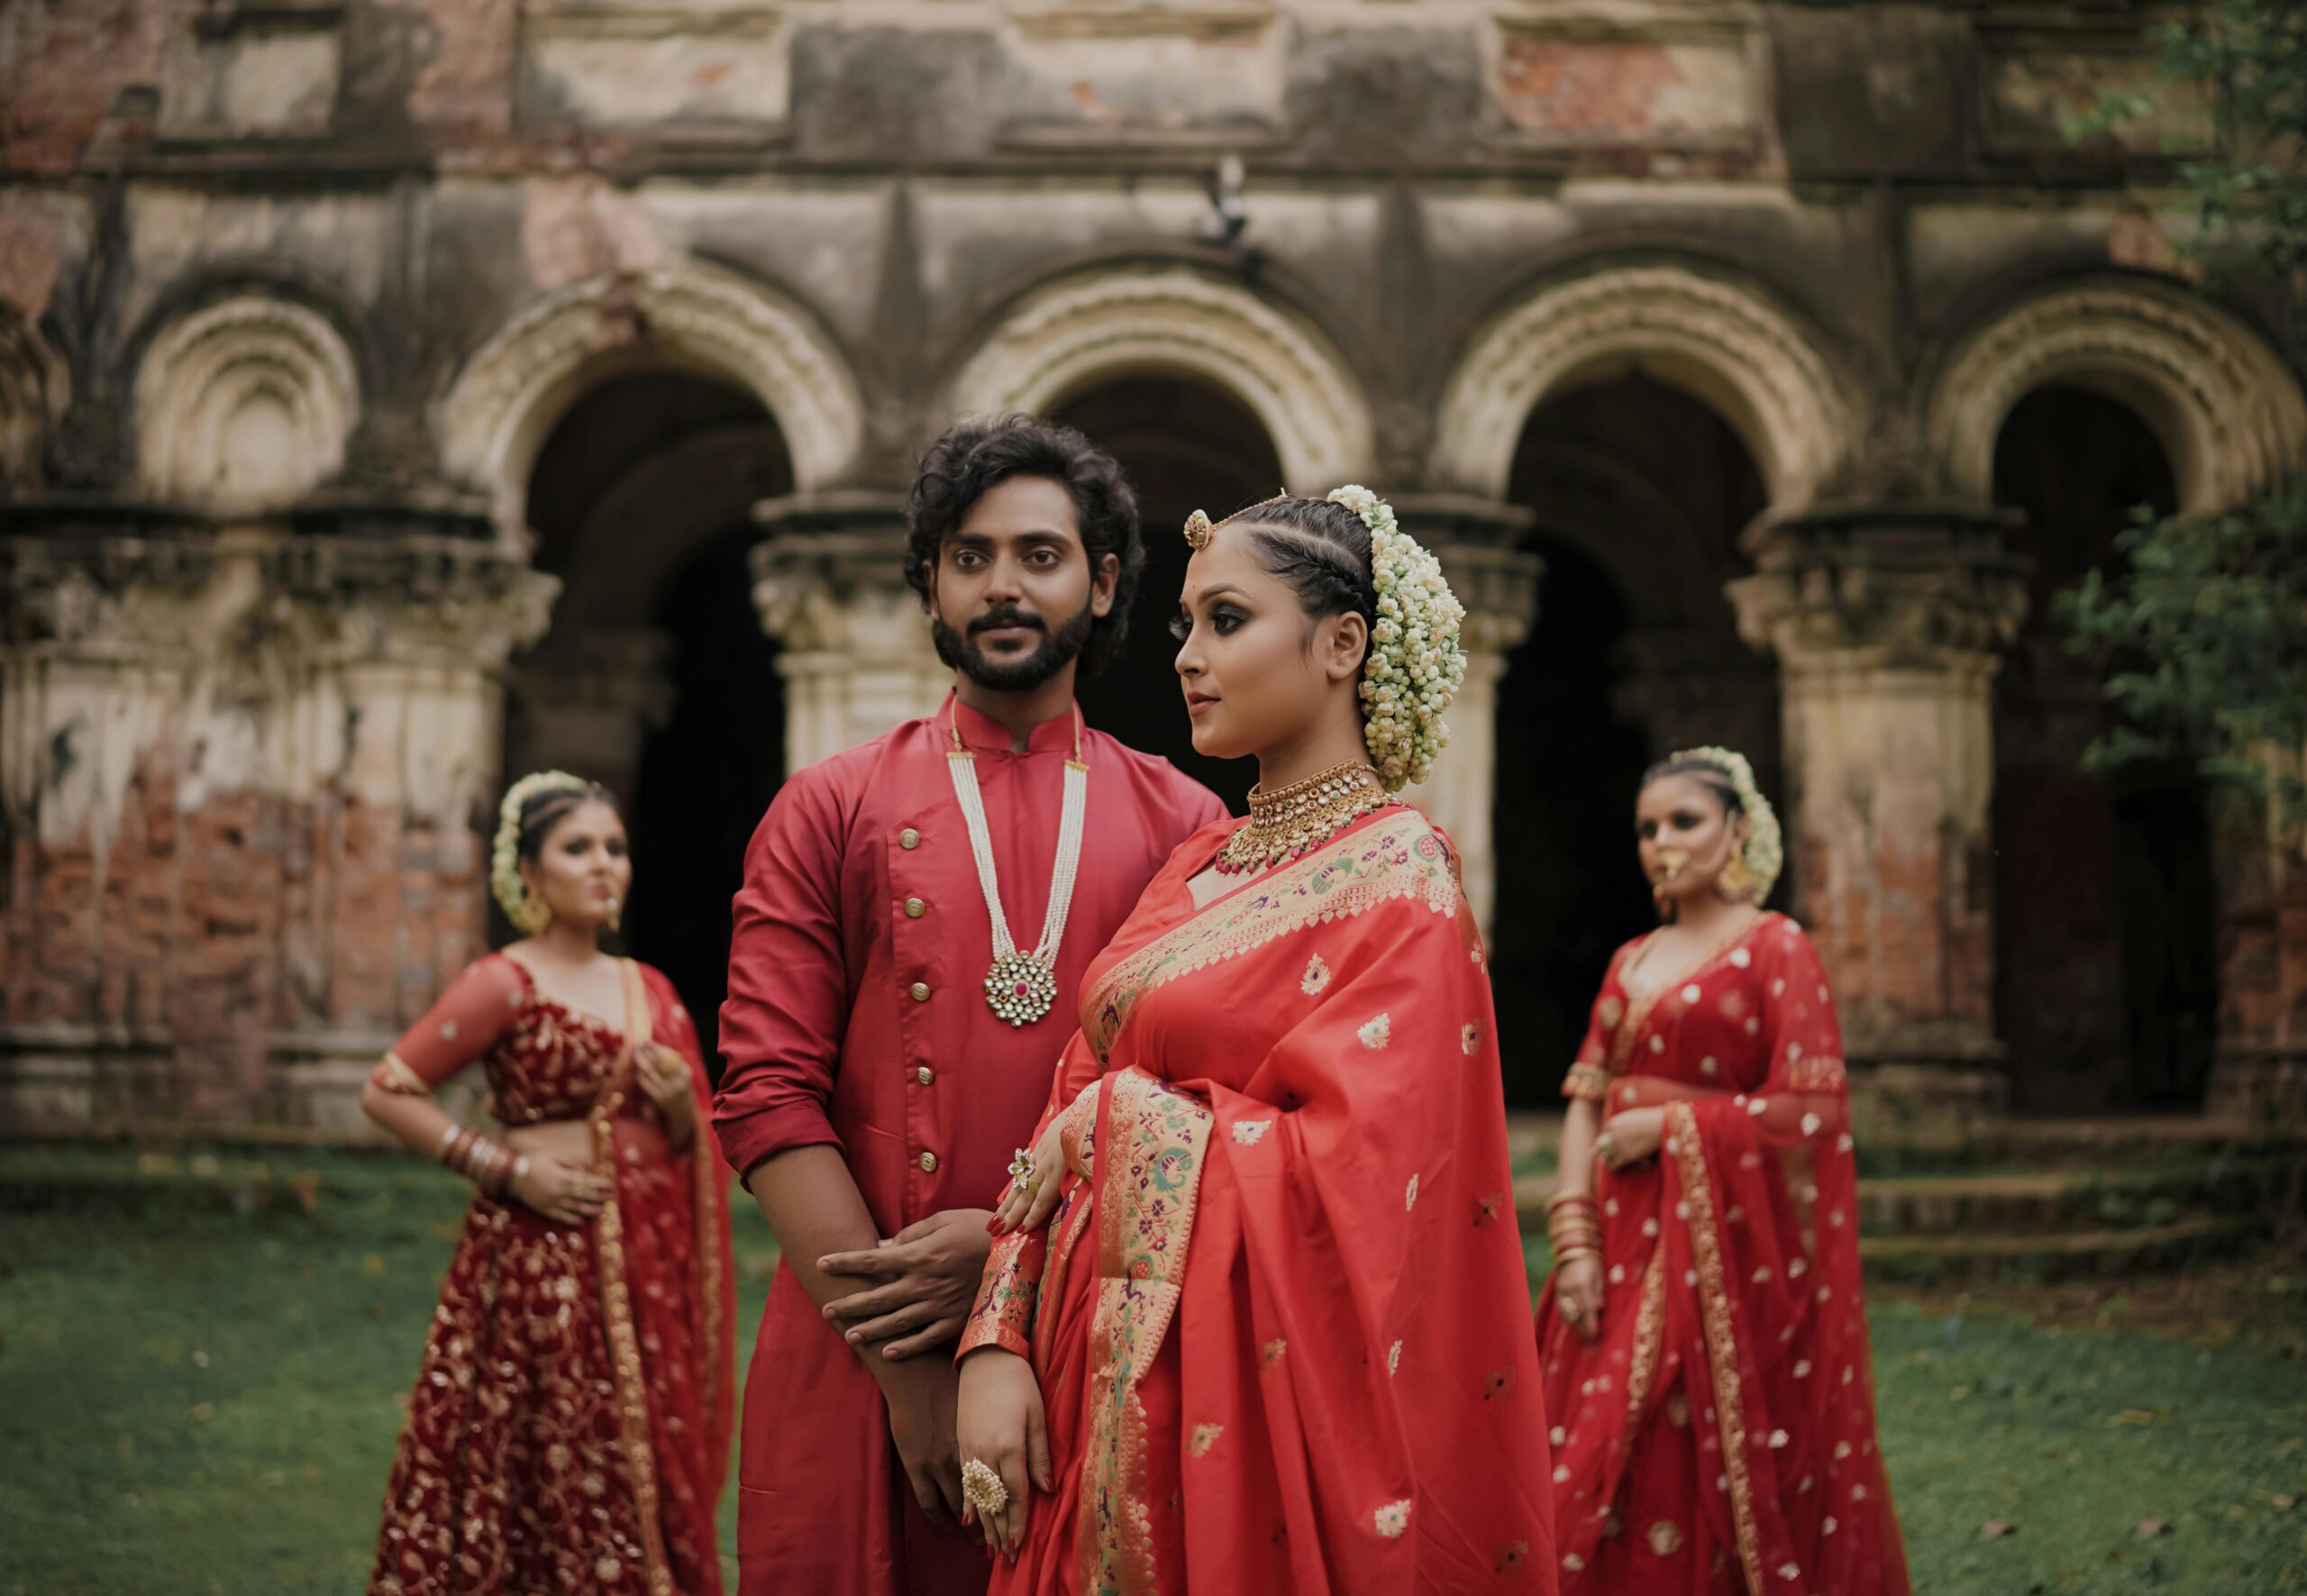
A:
[1345,555]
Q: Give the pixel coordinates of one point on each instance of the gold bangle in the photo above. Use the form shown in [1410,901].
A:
[1564,1199]
[1574,1254]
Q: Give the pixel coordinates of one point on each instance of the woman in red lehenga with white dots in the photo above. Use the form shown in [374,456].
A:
[1703,1339]
[570,1423]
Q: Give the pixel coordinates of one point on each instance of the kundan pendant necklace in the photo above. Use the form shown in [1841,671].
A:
[1289,820]
[1021,986]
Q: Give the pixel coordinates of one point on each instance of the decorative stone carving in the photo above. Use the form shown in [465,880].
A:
[1726,344]
[35,388]
[2230,416]
[1068,336]
[510,393]
[244,404]
[1876,588]
[830,585]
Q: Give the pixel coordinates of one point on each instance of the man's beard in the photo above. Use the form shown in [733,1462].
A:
[1058,650]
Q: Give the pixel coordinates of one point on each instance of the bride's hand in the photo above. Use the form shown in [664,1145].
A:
[1630,1138]
[1028,1206]
[1000,1424]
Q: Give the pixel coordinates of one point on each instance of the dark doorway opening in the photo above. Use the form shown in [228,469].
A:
[2106,959]
[642,500]
[1186,445]
[1640,493]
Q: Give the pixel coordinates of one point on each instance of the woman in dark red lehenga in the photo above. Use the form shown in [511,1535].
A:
[1703,1339]
[570,1423]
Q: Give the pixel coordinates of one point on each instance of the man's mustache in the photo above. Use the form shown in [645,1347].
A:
[1007,617]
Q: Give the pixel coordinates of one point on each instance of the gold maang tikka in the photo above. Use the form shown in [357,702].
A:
[1199,527]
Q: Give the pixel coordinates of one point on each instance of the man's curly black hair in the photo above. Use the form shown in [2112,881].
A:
[974,457]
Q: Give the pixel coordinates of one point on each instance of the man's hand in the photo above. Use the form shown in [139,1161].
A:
[922,1399]
[925,1280]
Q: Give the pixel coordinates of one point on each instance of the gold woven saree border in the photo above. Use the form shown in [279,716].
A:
[1149,1183]
[1649,1334]
[1410,863]
[1721,1339]
[617,1296]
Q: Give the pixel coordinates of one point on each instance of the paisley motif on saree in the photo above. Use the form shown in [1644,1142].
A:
[1155,1139]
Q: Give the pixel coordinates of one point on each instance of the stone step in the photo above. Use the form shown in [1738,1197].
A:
[2061,1255]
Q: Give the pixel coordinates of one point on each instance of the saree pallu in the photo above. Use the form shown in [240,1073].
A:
[1281,1315]
[1718,1436]
[570,1424]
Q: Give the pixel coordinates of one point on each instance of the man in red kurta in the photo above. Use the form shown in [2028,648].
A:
[873,1098]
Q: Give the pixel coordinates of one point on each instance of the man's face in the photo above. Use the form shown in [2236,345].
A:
[1014,597]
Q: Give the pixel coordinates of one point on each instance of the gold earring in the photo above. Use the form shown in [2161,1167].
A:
[1736,882]
[532,913]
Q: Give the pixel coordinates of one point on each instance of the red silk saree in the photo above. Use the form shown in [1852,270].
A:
[1280,1316]
[1718,1437]
[571,1424]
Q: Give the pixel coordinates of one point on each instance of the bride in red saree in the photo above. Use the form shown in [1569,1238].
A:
[1263,1321]
[1705,1335]
[571,1422]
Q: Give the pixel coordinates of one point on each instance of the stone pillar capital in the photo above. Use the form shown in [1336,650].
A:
[1905,586]
[829,583]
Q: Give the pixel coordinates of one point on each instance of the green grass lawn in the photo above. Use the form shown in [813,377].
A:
[196,1400]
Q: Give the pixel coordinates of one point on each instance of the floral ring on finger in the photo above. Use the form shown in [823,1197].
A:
[982,1488]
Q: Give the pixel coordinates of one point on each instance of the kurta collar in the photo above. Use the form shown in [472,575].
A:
[985,735]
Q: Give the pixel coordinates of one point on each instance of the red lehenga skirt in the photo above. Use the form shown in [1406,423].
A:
[569,1427]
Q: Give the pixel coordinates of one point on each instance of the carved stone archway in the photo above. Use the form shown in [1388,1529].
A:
[2228,415]
[695,317]
[244,404]
[1070,334]
[35,387]
[1723,343]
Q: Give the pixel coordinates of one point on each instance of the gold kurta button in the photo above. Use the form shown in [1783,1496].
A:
[929,1164]
[921,991]
[925,1074]
[915,908]
[908,838]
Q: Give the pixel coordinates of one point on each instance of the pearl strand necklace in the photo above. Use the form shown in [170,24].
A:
[1021,988]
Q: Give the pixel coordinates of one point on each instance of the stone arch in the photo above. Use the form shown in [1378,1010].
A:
[1064,337]
[246,402]
[35,387]
[696,317]
[2228,415]
[1723,343]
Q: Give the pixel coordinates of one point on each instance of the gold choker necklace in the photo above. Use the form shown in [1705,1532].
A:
[1302,815]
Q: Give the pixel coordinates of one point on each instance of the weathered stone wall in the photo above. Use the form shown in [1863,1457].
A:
[277,277]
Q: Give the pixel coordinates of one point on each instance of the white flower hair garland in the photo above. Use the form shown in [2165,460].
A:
[1763,851]
[1417,663]
[505,881]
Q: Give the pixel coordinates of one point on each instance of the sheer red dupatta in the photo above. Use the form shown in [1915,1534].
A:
[1759,1230]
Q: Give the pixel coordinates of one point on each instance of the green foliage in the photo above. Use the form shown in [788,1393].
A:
[2205,621]
[2205,627]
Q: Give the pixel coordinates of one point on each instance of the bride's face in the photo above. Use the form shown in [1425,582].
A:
[1685,835]
[1258,672]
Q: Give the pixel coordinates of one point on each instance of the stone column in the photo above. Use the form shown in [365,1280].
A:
[2259,1078]
[1478,542]
[829,582]
[1887,623]
[242,770]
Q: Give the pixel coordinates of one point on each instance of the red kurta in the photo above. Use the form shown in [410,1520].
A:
[857,1017]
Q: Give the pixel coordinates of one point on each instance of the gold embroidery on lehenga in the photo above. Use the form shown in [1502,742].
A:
[616,1300]
[1721,1339]
[1649,1334]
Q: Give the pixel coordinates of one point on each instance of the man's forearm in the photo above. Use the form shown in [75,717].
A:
[814,1208]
